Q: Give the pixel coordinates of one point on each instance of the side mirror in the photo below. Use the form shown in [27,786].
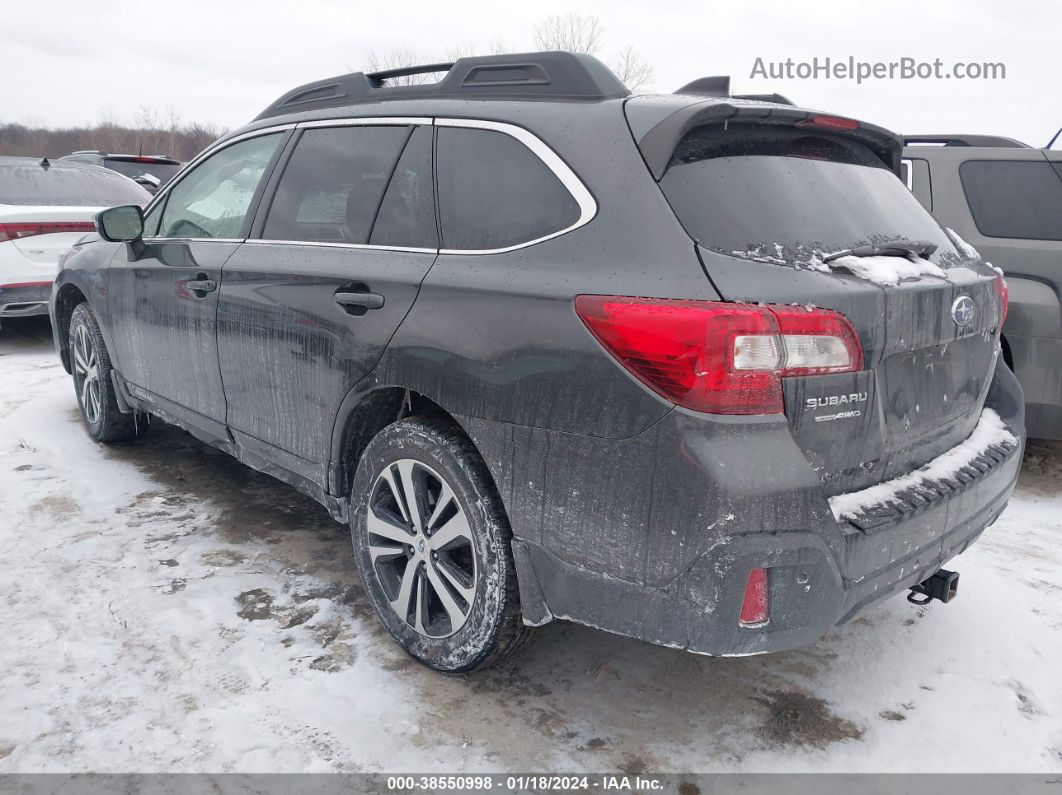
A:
[121,224]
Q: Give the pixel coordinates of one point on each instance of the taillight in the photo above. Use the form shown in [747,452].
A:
[720,358]
[755,606]
[23,229]
[1003,296]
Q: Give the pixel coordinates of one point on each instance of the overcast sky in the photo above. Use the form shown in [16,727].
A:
[222,61]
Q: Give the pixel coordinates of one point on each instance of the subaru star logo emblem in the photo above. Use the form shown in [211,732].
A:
[963,310]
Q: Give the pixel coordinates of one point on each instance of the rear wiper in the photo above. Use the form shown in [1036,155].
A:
[911,249]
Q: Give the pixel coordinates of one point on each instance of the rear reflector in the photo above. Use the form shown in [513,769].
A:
[716,357]
[1003,296]
[755,607]
[23,229]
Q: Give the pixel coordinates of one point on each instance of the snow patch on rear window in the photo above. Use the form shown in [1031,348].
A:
[964,248]
[990,431]
[887,271]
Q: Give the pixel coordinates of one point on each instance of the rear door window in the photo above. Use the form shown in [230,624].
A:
[1016,199]
[212,200]
[790,194]
[333,184]
[494,192]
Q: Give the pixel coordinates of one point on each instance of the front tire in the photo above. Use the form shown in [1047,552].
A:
[90,365]
[432,544]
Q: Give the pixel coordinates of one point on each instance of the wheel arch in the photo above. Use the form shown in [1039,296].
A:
[362,416]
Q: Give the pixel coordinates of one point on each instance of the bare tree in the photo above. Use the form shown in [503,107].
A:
[468,50]
[572,32]
[632,71]
[157,134]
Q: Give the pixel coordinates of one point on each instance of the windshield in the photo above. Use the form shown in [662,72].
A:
[132,169]
[787,194]
[60,185]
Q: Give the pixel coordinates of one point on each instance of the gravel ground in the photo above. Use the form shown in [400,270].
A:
[167,609]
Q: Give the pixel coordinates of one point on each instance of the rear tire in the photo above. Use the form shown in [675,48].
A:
[439,567]
[90,365]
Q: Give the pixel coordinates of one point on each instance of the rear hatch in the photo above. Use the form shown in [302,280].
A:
[769,194]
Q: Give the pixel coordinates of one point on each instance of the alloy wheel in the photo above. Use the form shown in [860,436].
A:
[87,374]
[421,548]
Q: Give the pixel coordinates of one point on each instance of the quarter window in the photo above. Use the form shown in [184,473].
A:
[494,192]
[213,200]
[1015,198]
[333,184]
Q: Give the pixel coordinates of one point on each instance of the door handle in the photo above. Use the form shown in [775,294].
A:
[353,301]
[202,286]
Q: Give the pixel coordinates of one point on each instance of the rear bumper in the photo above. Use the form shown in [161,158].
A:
[25,299]
[808,591]
[662,552]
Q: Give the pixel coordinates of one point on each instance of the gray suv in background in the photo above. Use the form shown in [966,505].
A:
[151,172]
[1005,199]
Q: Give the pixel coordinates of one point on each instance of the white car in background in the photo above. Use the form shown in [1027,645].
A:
[44,208]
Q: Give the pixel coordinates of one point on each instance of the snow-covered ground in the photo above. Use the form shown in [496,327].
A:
[165,609]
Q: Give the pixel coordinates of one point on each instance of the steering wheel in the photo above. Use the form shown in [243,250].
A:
[186,228]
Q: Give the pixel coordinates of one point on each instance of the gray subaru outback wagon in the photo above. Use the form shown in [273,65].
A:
[696,368]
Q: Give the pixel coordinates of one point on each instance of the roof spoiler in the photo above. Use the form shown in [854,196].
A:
[965,140]
[719,86]
[536,75]
[658,143]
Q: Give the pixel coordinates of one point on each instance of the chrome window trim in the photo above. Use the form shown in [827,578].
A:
[552,161]
[568,178]
[909,182]
[365,120]
[330,244]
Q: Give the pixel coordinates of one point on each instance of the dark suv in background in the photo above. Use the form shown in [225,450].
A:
[1005,199]
[151,172]
[693,368]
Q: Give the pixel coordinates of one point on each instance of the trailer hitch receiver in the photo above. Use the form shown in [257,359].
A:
[944,585]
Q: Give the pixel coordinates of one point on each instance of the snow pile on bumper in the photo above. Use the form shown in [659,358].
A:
[990,431]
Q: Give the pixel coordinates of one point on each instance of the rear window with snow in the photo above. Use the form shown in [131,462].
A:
[790,194]
[62,185]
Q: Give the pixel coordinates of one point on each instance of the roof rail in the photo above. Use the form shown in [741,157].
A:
[535,75]
[965,140]
[719,86]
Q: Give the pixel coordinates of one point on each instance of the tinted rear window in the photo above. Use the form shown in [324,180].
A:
[494,192]
[787,193]
[60,186]
[163,171]
[1021,199]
